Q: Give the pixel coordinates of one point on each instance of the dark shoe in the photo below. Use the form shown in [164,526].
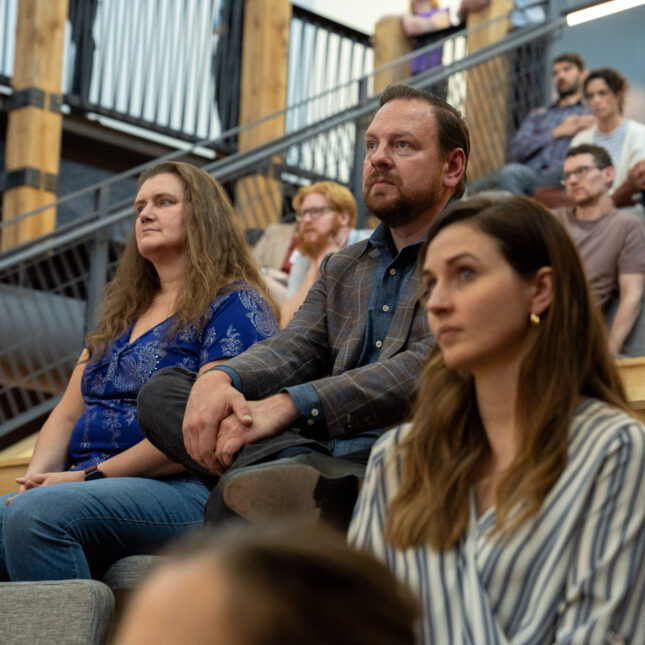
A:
[311,486]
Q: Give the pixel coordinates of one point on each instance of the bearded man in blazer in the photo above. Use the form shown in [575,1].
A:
[347,365]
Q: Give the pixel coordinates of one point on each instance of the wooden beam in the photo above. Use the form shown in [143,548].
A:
[632,373]
[265,57]
[9,470]
[263,91]
[487,91]
[34,130]
[389,43]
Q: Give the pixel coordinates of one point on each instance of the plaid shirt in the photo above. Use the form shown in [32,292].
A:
[533,144]
[323,348]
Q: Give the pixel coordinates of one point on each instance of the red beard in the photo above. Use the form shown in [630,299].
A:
[313,245]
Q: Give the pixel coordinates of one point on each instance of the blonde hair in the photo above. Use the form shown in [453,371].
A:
[216,254]
[337,196]
[569,359]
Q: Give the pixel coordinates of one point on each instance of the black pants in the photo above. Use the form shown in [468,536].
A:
[161,405]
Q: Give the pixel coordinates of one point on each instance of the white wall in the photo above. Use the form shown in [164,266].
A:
[615,41]
[360,14]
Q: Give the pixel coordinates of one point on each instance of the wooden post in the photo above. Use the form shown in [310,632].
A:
[389,43]
[487,91]
[265,57]
[632,374]
[9,470]
[35,122]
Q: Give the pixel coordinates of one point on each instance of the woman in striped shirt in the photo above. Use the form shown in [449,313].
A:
[514,503]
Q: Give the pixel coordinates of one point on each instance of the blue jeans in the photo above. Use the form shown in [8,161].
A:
[357,443]
[70,530]
[517,179]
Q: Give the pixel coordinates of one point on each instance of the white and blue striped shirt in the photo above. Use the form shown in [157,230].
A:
[574,575]
[612,142]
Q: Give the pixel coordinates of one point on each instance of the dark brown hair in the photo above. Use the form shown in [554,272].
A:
[304,584]
[451,127]
[568,360]
[570,57]
[616,82]
[600,156]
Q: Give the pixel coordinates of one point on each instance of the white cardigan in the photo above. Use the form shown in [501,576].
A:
[632,152]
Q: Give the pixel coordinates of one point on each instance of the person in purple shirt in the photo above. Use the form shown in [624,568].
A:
[186,293]
[431,21]
[538,149]
[426,17]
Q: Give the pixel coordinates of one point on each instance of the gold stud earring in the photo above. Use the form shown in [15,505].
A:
[535,320]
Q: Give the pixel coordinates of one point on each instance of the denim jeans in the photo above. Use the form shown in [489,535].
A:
[518,179]
[358,443]
[75,529]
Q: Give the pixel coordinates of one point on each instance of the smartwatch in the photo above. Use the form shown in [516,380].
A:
[93,472]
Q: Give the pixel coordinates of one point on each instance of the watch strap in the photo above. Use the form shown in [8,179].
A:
[93,472]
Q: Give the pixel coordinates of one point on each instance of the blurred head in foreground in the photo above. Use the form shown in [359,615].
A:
[287,584]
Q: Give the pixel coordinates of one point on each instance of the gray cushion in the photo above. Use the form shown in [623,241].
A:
[126,573]
[74,612]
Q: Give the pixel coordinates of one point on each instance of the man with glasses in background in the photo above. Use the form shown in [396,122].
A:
[611,242]
[326,214]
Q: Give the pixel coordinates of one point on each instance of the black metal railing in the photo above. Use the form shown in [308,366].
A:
[148,64]
[323,56]
[334,153]
[173,66]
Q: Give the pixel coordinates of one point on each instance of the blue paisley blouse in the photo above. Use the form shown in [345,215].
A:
[110,384]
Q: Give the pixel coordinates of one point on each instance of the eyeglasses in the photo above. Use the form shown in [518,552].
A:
[314,213]
[577,173]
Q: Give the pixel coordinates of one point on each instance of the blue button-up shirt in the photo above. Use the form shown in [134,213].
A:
[393,271]
[534,144]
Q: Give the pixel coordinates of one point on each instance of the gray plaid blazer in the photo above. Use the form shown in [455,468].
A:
[323,342]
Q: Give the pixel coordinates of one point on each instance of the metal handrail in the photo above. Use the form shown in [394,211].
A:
[331,25]
[234,165]
[440,73]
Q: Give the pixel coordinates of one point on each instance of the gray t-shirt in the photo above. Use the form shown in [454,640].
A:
[609,246]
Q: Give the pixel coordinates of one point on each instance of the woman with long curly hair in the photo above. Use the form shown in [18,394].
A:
[186,293]
[513,502]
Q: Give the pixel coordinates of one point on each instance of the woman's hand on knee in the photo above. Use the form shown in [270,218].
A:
[33,480]
[21,489]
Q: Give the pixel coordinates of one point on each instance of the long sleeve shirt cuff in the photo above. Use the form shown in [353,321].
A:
[307,403]
[235,377]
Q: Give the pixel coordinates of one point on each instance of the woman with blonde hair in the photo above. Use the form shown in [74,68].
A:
[186,293]
[513,502]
